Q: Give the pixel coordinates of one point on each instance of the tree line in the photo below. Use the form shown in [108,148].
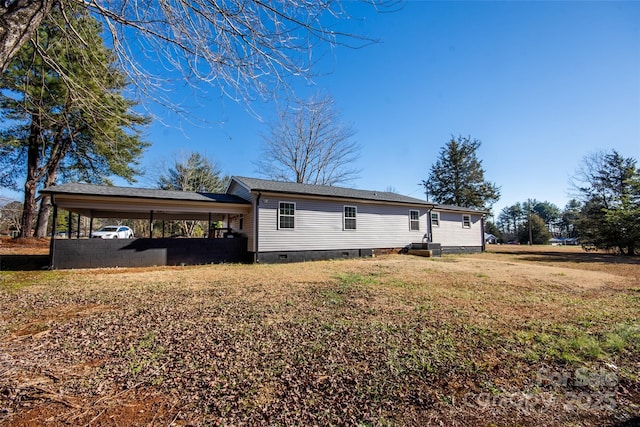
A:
[605,213]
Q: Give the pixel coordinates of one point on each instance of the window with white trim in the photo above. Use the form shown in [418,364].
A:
[414,220]
[466,221]
[435,219]
[350,213]
[286,215]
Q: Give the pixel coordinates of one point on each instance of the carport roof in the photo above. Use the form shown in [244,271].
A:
[101,201]
[79,189]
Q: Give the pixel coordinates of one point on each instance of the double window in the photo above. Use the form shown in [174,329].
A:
[350,213]
[286,215]
[414,220]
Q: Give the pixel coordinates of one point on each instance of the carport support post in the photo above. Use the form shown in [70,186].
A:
[151,224]
[209,229]
[78,235]
[54,230]
[91,225]
[69,224]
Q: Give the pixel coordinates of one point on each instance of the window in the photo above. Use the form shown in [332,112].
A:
[241,222]
[435,219]
[350,213]
[466,221]
[286,215]
[414,220]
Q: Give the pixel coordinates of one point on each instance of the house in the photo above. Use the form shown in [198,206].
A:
[262,221]
[490,238]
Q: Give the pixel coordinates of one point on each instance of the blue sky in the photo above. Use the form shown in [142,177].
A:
[541,84]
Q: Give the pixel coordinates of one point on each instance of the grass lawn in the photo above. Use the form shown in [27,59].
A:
[514,336]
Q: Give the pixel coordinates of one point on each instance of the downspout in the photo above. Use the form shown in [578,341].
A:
[256,254]
[484,242]
[429,228]
[52,243]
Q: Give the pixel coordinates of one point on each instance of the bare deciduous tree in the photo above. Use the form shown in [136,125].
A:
[11,216]
[245,47]
[309,144]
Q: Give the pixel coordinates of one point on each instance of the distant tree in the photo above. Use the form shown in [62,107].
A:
[68,122]
[198,174]
[539,233]
[195,173]
[10,216]
[569,218]
[548,212]
[310,145]
[510,220]
[609,184]
[457,177]
[391,189]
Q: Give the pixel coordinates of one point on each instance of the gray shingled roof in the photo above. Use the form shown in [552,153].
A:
[254,184]
[147,193]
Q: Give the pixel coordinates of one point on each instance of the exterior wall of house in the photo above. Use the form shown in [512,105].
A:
[319,225]
[454,236]
[248,218]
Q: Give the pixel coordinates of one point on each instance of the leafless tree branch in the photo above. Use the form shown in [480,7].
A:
[310,145]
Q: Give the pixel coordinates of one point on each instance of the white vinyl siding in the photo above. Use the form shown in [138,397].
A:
[319,225]
[350,214]
[286,215]
[414,220]
[450,232]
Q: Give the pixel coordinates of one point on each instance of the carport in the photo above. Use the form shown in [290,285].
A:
[228,244]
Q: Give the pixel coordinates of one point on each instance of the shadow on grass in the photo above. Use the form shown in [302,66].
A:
[631,422]
[577,257]
[24,262]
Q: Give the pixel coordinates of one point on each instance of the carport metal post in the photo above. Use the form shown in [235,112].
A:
[69,224]
[151,224]
[54,230]
[78,231]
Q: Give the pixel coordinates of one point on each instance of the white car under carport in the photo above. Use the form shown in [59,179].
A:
[113,232]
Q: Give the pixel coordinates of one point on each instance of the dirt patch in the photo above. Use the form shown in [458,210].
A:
[41,324]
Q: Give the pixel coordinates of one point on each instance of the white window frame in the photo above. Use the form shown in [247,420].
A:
[414,222]
[466,221]
[345,218]
[280,215]
[437,218]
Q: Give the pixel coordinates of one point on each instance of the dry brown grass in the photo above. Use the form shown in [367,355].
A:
[495,338]
[29,246]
